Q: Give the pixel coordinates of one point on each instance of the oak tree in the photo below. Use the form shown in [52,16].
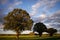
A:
[17,20]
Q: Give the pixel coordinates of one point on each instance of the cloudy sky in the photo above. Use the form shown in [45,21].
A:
[46,11]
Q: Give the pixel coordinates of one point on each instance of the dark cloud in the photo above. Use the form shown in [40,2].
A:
[54,20]
[56,17]
[56,25]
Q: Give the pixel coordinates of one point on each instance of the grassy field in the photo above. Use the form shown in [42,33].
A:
[31,37]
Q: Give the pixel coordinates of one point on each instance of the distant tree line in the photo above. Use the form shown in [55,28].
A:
[40,28]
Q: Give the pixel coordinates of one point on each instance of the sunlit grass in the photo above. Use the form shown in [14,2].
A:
[31,37]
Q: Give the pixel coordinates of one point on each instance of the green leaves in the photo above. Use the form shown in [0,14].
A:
[39,27]
[17,19]
[51,31]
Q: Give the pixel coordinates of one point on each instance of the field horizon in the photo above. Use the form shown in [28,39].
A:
[29,37]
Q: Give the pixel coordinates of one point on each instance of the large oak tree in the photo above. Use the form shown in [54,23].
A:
[17,20]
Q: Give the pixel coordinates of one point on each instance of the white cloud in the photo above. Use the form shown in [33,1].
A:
[1,26]
[43,16]
[6,32]
[12,32]
[26,32]
[49,4]
[40,18]
[34,8]
[12,6]
[18,2]
[44,5]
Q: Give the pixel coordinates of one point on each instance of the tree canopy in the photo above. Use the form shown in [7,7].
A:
[51,31]
[17,20]
[39,27]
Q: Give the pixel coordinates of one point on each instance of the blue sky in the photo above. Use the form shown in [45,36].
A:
[46,11]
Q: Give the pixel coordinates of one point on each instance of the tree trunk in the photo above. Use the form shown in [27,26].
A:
[40,34]
[51,34]
[17,36]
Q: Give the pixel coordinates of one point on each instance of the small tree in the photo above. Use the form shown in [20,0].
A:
[51,31]
[40,28]
[17,20]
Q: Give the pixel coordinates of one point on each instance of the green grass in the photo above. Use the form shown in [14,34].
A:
[31,37]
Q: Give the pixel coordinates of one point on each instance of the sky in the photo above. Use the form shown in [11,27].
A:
[46,11]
